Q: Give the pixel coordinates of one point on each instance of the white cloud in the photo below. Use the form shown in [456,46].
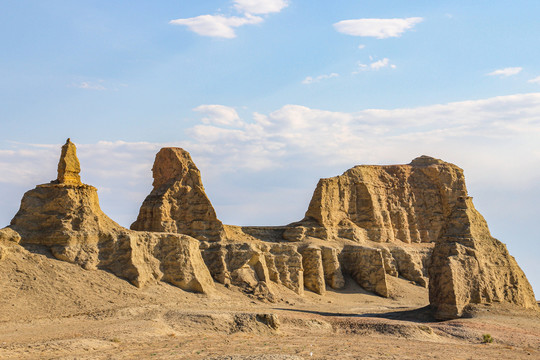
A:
[509,71]
[482,136]
[219,115]
[536,80]
[260,6]
[375,65]
[216,25]
[378,28]
[361,46]
[311,80]
[223,26]
[380,64]
[90,85]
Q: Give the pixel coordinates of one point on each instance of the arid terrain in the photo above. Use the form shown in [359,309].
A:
[54,309]
[390,262]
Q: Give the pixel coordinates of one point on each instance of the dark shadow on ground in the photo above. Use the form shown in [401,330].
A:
[420,315]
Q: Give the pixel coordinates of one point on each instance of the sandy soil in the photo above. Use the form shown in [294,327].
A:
[51,309]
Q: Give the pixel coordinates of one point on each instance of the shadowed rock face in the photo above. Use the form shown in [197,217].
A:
[66,217]
[468,266]
[178,202]
[407,203]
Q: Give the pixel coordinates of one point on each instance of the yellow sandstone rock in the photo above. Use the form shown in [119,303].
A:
[69,166]
[65,216]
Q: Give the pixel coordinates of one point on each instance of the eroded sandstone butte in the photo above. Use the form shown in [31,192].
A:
[178,202]
[65,216]
[406,203]
[369,225]
[468,266]
[396,212]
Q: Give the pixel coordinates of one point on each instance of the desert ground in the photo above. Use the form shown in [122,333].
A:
[50,309]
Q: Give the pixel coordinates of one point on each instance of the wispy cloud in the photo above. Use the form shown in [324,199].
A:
[222,26]
[509,71]
[536,80]
[260,6]
[375,65]
[310,80]
[378,28]
[87,85]
[217,25]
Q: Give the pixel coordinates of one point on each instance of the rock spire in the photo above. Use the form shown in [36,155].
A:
[69,166]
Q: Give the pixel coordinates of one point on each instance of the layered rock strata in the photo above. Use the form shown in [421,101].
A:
[407,203]
[366,266]
[65,216]
[469,266]
[178,202]
[385,208]
[246,265]
[333,276]
[312,262]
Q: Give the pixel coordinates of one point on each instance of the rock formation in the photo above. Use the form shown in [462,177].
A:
[247,265]
[411,263]
[69,166]
[371,223]
[333,275]
[178,202]
[366,266]
[65,216]
[312,262]
[408,203]
[468,266]
[8,241]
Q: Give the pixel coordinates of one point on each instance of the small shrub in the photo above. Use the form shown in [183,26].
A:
[487,339]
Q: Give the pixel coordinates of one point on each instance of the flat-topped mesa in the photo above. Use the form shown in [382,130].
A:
[69,166]
[468,266]
[178,202]
[408,203]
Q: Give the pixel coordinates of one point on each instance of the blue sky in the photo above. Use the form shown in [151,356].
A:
[271,95]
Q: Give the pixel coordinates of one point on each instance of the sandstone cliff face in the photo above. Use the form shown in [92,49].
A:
[333,276]
[247,265]
[366,266]
[468,266]
[66,217]
[407,203]
[178,202]
[312,262]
